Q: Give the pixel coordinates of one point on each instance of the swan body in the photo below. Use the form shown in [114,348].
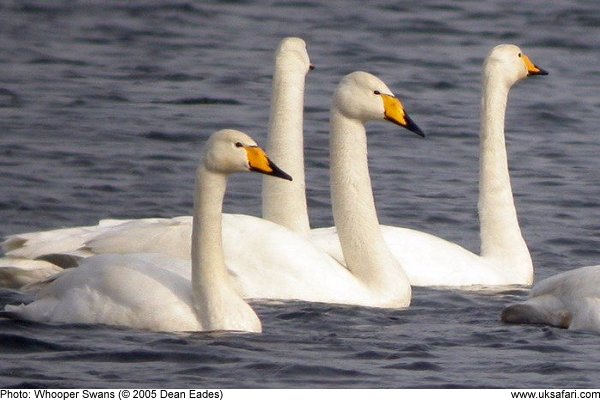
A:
[295,268]
[567,300]
[154,291]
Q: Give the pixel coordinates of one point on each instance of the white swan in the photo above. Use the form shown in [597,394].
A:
[138,291]
[283,204]
[567,300]
[295,268]
[431,261]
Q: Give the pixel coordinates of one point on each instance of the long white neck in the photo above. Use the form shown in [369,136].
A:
[365,251]
[284,202]
[501,236]
[217,305]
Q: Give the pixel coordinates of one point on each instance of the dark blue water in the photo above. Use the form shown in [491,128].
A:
[105,105]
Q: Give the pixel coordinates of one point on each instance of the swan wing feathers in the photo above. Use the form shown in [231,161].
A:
[16,273]
[108,236]
[170,236]
[36,244]
[429,260]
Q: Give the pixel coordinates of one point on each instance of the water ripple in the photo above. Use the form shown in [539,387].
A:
[105,107]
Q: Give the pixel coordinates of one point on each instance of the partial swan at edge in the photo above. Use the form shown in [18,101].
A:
[570,300]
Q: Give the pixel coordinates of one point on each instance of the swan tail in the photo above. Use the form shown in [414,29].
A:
[12,243]
[63,261]
[39,285]
[18,277]
[12,312]
[524,313]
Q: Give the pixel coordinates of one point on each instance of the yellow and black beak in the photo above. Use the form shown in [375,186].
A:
[259,162]
[532,69]
[394,111]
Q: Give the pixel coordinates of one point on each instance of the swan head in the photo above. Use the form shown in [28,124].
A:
[291,54]
[511,63]
[364,97]
[228,151]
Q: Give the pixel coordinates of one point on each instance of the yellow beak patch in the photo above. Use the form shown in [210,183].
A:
[532,69]
[258,160]
[394,110]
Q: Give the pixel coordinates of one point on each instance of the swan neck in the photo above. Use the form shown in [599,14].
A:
[285,202]
[500,232]
[365,252]
[217,305]
[208,262]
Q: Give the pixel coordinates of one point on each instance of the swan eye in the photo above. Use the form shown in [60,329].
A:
[520,55]
[239,144]
[377,92]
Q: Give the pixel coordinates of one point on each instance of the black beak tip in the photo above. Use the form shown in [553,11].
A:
[540,71]
[413,127]
[278,172]
[311,67]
